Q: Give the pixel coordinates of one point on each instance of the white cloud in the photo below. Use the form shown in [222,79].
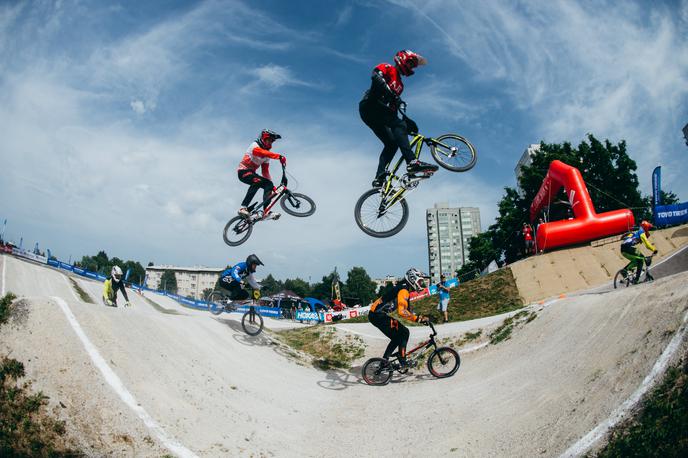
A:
[617,70]
[138,106]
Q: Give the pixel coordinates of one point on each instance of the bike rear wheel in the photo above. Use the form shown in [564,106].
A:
[623,278]
[444,362]
[297,204]
[216,302]
[237,231]
[374,372]
[454,152]
[372,222]
[252,322]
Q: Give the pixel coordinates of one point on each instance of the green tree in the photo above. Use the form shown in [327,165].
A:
[610,176]
[359,286]
[168,282]
[323,289]
[136,271]
[297,285]
[271,286]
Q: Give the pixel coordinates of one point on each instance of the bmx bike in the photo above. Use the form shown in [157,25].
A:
[625,277]
[238,229]
[442,363]
[383,212]
[251,321]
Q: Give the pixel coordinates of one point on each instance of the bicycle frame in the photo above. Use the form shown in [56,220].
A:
[275,197]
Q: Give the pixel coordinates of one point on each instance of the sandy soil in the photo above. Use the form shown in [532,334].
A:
[218,392]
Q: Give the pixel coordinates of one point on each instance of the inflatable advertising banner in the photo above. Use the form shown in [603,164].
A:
[587,224]
[665,215]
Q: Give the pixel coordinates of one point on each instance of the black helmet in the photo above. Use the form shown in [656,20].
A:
[253,260]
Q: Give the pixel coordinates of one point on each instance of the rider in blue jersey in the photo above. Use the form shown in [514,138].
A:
[231,279]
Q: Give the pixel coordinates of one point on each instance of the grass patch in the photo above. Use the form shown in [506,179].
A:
[26,429]
[660,428]
[6,307]
[328,350]
[489,295]
[82,294]
[503,332]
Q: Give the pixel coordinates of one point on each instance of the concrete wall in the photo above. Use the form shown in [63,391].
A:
[566,270]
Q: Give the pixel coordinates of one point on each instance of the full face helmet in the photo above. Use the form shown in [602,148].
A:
[252,262]
[116,273]
[414,277]
[407,60]
[267,137]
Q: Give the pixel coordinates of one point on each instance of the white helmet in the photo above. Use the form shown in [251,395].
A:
[116,273]
[414,277]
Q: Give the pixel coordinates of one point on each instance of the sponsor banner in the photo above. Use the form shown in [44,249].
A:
[307,316]
[6,249]
[265,311]
[432,289]
[53,262]
[656,187]
[329,317]
[666,215]
[65,266]
[80,271]
[29,255]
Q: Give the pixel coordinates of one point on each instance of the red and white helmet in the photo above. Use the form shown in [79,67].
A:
[407,60]
[646,225]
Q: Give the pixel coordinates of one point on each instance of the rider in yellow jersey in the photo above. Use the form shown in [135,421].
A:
[111,286]
[628,250]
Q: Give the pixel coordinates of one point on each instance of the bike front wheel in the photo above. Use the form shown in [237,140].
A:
[252,322]
[622,278]
[376,372]
[453,152]
[444,362]
[216,302]
[297,204]
[237,231]
[376,218]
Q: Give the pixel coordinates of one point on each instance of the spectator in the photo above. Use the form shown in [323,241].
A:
[528,239]
[443,289]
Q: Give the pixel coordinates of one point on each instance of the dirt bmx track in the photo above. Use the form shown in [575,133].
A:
[180,381]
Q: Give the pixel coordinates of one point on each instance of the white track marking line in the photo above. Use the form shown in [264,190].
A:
[116,383]
[4,264]
[587,441]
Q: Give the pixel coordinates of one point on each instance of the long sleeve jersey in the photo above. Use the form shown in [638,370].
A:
[255,157]
[397,298]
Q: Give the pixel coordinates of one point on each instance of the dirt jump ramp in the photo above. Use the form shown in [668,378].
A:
[574,269]
[206,389]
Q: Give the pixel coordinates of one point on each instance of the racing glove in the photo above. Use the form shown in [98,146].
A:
[283,160]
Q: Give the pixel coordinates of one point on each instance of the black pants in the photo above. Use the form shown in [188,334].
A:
[397,332]
[236,292]
[392,132]
[255,182]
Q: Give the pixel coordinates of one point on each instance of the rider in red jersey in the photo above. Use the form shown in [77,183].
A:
[259,155]
[378,110]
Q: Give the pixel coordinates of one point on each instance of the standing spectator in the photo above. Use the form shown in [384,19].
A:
[528,239]
[444,297]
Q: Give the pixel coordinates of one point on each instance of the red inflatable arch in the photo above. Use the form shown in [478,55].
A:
[586,224]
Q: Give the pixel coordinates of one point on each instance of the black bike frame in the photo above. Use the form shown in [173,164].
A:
[426,344]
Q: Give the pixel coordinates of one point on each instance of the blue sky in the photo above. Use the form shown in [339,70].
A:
[122,123]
